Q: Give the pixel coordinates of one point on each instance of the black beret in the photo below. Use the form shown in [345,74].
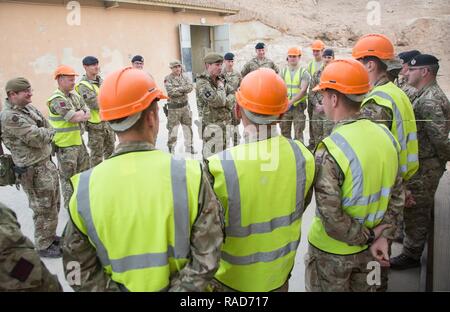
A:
[423,60]
[328,52]
[229,56]
[408,55]
[260,45]
[137,58]
[90,60]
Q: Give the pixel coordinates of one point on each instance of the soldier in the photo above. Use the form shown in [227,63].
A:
[320,126]
[171,218]
[178,86]
[137,62]
[233,78]
[402,82]
[215,100]
[67,115]
[314,65]
[358,187]
[28,135]
[387,103]
[21,269]
[100,136]
[297,81]
[263,225]
[259,61]
[432,110]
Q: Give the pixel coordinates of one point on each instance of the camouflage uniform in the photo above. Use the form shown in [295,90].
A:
[378,113]
[28,136]
[206,240]
[329,272]
[295,115]
[178,88]
[432,111]
[101,138]
[72,159]
[234,80]
[21,269]
[215,104]
[255,63]
[320,125]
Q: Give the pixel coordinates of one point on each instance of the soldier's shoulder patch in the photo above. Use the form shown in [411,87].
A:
[62,104]
[84,96]
[22,270]
[15,118]
[207,94]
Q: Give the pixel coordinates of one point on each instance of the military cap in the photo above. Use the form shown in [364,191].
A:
[394,64]
[137,58]
[212,58]
[90,60]
[229,56]
[174,63]
[423,60]
[260,45]
[408,55]
[17,85]
[328,52]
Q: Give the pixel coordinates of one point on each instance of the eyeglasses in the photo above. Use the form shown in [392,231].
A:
[416,68]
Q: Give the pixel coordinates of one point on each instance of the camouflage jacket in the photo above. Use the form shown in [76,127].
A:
[327,186]
[178,88]
[21,268]
[232,78]
[89,96]
[67,108]
[214,102]
[432,110]
[315,97]
[254,64]
[410,91]
[206,240]
[26,133]
[378,113]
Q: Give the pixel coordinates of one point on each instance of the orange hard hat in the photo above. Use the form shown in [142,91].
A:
[64,70]
[126,92]
[318,45]
[295,51]
[347,76]
[263,92]
[374,45]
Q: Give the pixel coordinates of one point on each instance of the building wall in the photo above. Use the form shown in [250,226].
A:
[36,38]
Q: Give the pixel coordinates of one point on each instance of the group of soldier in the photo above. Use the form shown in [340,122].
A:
[143,220]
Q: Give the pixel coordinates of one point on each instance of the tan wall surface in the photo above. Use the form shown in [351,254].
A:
[36,38]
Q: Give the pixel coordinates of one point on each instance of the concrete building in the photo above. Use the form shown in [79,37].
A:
[37,36]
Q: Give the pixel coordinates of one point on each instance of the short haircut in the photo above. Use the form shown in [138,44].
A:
[380,65]
[349,103]
[434,69]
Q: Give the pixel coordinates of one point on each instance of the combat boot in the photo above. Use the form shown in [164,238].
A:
[403,262]
[53,251]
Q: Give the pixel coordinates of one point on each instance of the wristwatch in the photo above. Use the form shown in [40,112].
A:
[371,237]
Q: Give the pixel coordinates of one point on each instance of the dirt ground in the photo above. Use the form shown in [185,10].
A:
[418,24]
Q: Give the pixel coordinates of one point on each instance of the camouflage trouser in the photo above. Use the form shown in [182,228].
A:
[329,272]
[71,160]
[296,117]
[417,219]
[177,116]
[41,185]
[216,286]
[101,142]
[320,128]
[215,138]
[310,109]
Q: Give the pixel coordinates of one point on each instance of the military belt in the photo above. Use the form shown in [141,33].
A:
[177,105]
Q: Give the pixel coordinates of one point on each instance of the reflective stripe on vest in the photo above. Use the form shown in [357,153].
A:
[370,172]
[403,125]
[67,133]
[95,115]
[258,245]
[293,83]
[130,266]
[313,66]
